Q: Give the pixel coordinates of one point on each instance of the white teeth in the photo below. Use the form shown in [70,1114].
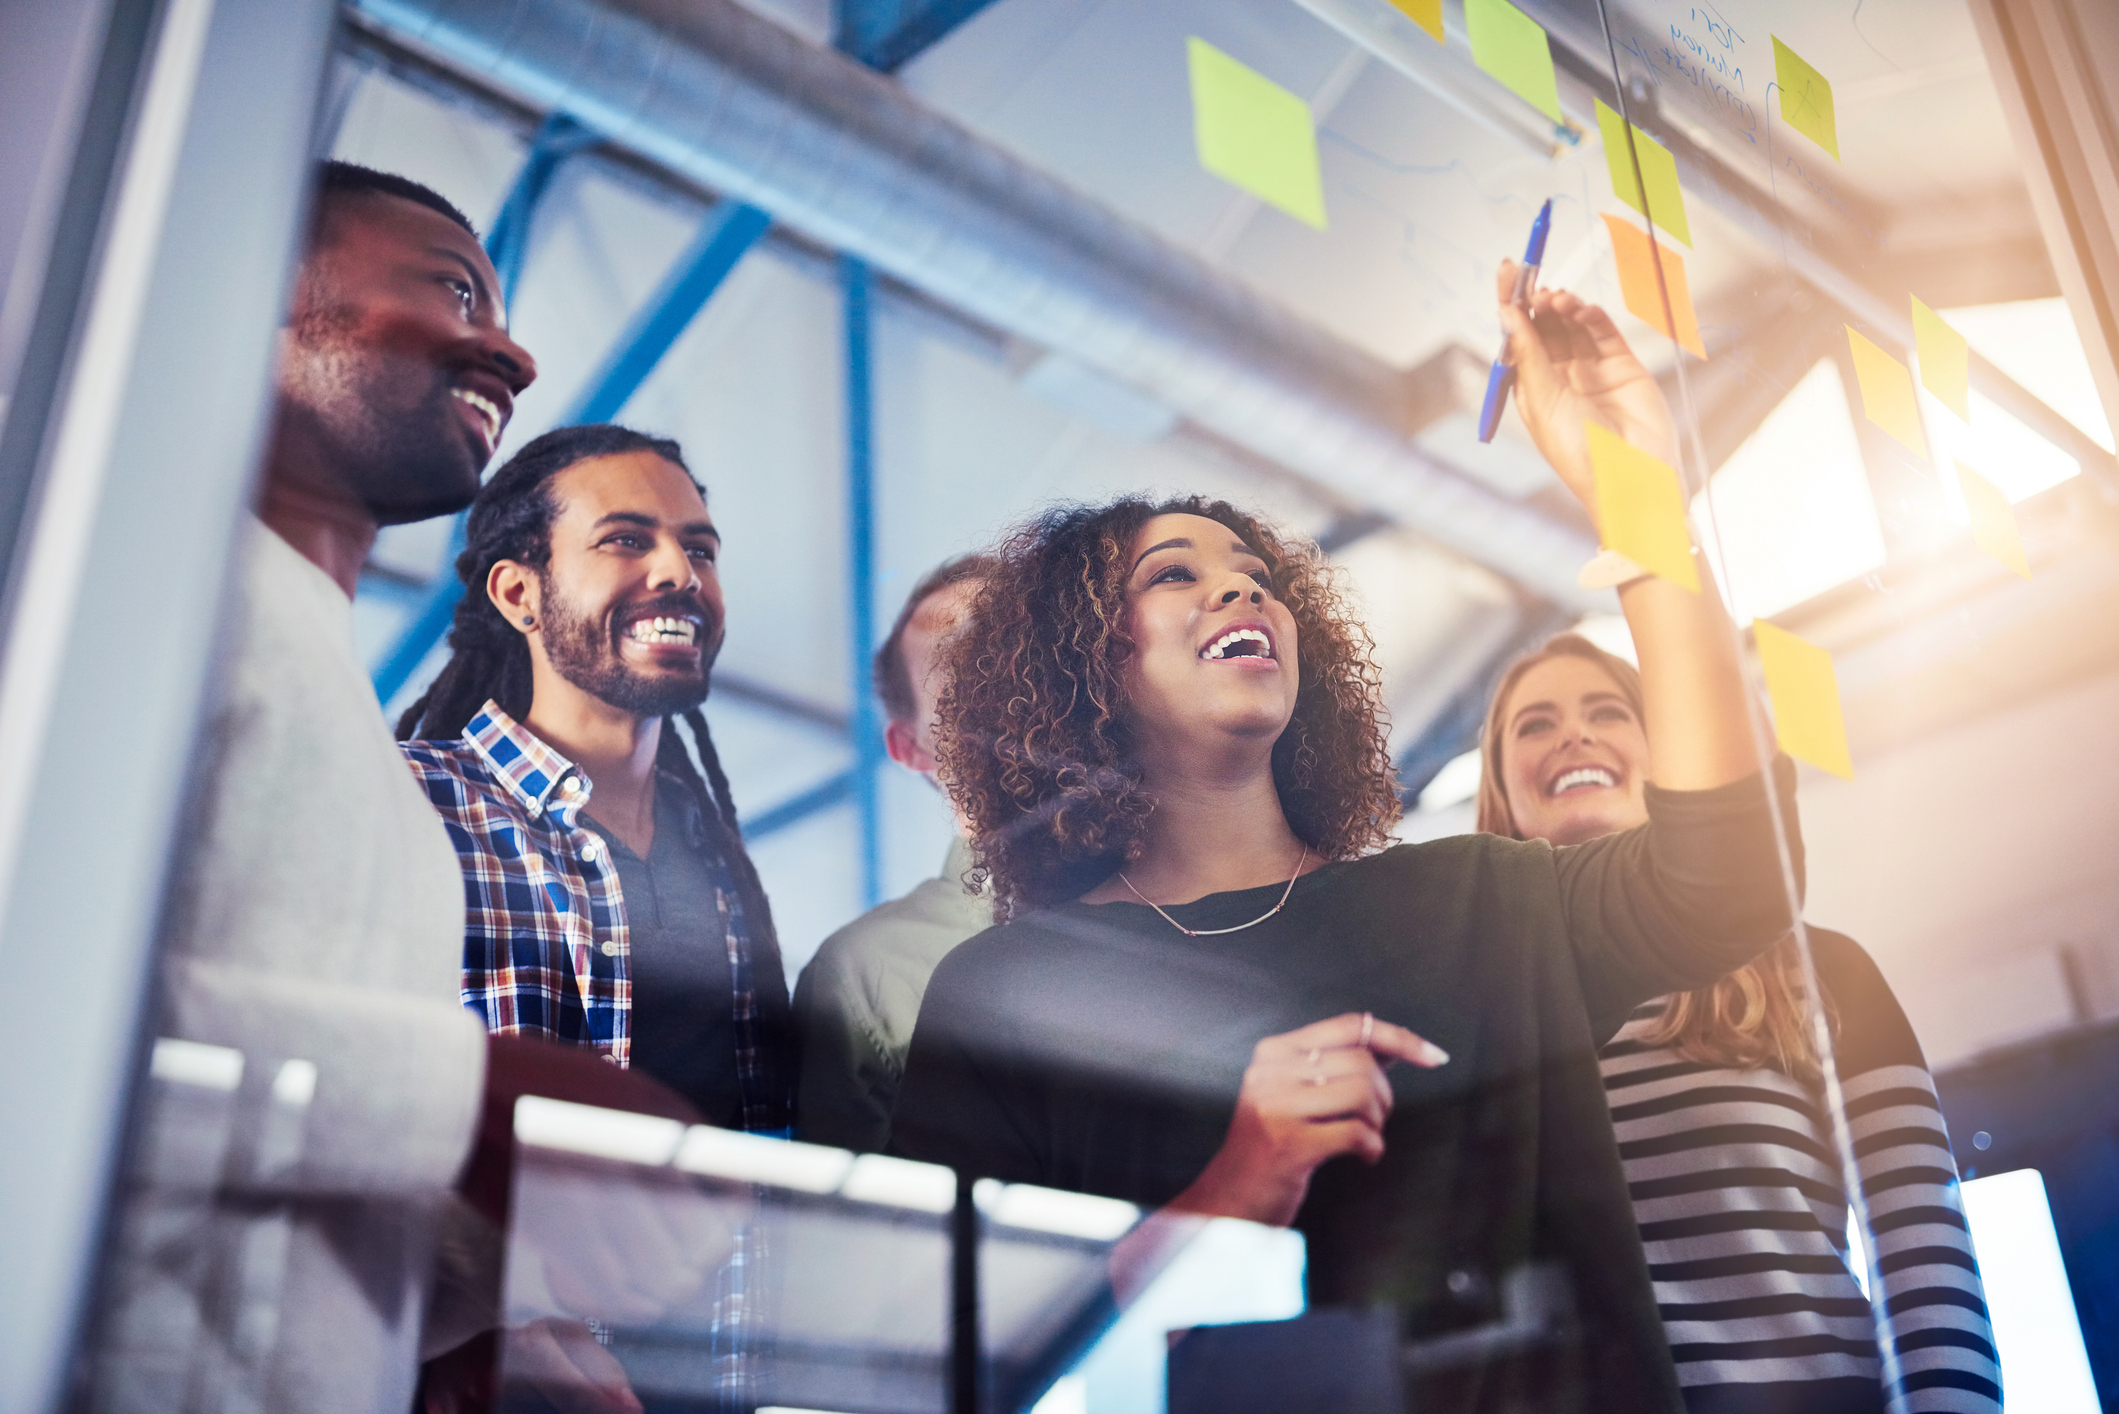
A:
[1584,776]
[1220,646]
[663,630]
[484,407]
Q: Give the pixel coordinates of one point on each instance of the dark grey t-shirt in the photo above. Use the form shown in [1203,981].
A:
[683,1018]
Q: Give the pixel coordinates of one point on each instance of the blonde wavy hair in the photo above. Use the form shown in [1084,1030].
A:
[1753,1017]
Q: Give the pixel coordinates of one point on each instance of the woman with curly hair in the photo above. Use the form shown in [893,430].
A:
[1164,729]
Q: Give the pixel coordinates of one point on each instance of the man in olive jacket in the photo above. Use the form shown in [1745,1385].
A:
[858,998]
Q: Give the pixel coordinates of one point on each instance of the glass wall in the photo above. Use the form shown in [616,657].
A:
[1694,986]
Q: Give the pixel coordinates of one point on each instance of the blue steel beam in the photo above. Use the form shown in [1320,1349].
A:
[508,242]
[816,799]
[861,571]
[729,231]
[886,34]
[1455,729]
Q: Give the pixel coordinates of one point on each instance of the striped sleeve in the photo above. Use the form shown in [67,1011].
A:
[1931,1288]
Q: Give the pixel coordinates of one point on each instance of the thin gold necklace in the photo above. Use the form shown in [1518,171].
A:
[1217,932]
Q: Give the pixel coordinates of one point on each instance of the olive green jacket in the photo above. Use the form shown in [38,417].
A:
[858,998]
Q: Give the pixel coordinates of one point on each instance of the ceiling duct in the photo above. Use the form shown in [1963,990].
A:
[729,100]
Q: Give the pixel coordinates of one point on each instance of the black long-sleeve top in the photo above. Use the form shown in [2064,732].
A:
[1096,1048]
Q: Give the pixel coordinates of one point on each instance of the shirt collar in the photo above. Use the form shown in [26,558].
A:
[536,775]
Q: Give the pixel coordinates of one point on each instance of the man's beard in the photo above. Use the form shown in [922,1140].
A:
[581,652]
[400,462]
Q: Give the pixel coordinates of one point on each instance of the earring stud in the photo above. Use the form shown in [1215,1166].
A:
[528,620]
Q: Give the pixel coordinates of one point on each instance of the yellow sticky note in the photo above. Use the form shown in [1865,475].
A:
[1993,520]
[1425,13]
[1509,45]
[1887,392]
[1805,692]
[1253,132]
[1806,98]
[1637,258]
[1945,360]
[1641,508]
[1665,202]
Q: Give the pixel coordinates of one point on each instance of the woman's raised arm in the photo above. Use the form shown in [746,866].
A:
[1573,367]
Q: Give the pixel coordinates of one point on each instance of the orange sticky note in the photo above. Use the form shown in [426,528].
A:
[1637,258]
[1641,508]
[1887,392]
[1255,133]
[1945,360]
[1425,13]
[1993,520]
[1805,692]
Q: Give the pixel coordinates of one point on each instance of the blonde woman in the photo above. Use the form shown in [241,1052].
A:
[1722,1131]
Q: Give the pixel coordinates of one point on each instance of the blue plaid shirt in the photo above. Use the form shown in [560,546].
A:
[546,951]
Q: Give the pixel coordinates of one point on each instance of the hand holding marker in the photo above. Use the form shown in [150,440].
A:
[1503,376]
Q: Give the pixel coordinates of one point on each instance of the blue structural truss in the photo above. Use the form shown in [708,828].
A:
[725,236]
[861,570]
[886,34]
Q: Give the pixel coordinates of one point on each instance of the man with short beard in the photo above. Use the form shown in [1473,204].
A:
[314,908]
[611,903]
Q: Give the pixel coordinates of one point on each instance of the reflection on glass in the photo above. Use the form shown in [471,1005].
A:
[1790,513]
[2043,1363]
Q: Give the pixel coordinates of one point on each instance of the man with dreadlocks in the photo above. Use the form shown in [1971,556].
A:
[610,902]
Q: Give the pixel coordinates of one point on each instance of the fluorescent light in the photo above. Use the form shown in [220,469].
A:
[900,1183]
[193,1063]
[1790,510]
[588,1129]
[1068,1214]
[753,1158]
[2017,460]
[2035,342]
[2043,1363]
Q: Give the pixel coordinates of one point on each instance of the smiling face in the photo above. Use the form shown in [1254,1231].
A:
[1214,657]
[629,606]
[396,364]
[1574,755]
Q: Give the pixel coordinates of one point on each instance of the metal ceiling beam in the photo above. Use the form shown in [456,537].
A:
[888,34]
[733,102]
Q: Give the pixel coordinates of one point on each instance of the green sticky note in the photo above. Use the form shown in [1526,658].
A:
[1253,132]
[1806,98]
[1509,45]
[1665,204]
[1945,360]
[1425,13]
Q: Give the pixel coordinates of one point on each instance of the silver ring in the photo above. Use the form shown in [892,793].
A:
[1368,1028]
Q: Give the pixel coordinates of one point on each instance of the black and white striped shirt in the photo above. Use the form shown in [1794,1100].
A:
[1744,1219]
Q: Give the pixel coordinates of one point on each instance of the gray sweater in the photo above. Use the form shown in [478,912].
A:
[316,916]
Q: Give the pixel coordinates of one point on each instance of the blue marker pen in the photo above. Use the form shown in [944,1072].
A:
[1503,376]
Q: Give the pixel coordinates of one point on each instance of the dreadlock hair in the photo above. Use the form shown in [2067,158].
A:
[489,660]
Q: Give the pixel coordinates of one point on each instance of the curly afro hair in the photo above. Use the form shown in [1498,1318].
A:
[1032,740]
